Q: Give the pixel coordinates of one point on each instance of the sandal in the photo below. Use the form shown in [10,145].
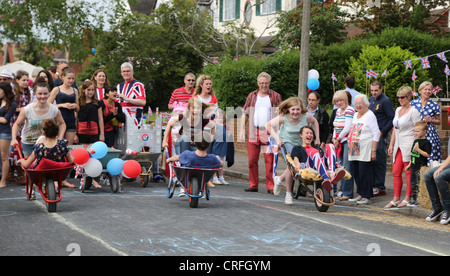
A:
[404,203]
[391,204]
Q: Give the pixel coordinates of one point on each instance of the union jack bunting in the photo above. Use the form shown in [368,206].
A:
[425,63]
[384,73]
[408,64]
[447,70]
[333,77]
[436,90]
[414,76]
[442,57]
[374,74]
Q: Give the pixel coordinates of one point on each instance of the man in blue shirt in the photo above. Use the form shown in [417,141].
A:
[381,106]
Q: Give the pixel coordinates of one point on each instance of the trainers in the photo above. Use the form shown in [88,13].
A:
[216,181]
[182,193]
[288,200]
[445,218]
[378,192]
[277,186]
[356,199]
[434,215]
[363,201]
[223,181]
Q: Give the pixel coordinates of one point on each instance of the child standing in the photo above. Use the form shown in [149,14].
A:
[90,118]
[219,146]
[7,111]
[113,115]
[420,152]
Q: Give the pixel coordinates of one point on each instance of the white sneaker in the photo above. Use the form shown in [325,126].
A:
[277,186]
[288,200]
[353,200]
[217,181]
[223,181]
[182,193]
[363,201]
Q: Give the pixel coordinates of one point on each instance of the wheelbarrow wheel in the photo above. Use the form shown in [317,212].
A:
[324,196]
[50,192]
[87,183]
[145,177]
[114,182]
[194,190]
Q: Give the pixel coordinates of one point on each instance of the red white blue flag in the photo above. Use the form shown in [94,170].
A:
[425,63]
[447,70]
[333,77]
[414,76]
[442,57]
[408,64]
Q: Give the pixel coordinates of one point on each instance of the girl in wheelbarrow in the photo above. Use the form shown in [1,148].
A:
[310,156]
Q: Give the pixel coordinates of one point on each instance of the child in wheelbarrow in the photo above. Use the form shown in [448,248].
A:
[48,147]
[325,167]
[198,158]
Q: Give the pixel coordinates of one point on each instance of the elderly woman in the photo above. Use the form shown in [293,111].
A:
[401,143]
[430,113]
[342,123]
[362,145]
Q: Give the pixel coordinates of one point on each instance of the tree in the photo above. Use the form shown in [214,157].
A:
[70,26]
[391,13]
[327,26]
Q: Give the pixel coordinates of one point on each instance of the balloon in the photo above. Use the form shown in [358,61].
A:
[100,148]
[124,175]
[80,156]
[93,167]
[132,168]
[313,84]
[115,166]
[313,74]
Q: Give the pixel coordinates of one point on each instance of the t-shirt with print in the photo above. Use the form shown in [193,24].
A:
[418,160]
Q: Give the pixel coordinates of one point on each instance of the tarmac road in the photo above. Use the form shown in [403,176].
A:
[144,222]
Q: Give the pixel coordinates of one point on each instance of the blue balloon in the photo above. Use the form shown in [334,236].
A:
[313,84]
[100,148]
[115,166]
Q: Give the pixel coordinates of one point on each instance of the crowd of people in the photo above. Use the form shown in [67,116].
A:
[352,141]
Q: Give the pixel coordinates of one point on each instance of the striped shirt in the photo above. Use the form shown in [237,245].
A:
[342,123]
[180,95]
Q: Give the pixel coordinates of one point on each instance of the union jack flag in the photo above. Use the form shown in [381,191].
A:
[425,63]
[408,64]
[368,74]
[414,76]
[447,70]
[415,94]
[442,57]
[384,73]
[436,90]
[333,77]
[374,74]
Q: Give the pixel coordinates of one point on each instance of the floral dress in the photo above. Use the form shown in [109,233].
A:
[57,153]
[432,109]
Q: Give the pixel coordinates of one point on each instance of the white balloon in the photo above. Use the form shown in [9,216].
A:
[313,74]
[93,167]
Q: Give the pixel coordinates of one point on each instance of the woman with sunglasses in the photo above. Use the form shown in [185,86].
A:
[401,143]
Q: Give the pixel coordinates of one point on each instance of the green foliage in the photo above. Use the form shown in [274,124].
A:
[379,59]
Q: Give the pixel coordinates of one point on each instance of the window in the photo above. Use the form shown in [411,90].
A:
[229,10]
[267,7]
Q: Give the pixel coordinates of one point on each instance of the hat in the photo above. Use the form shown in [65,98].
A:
[6,73]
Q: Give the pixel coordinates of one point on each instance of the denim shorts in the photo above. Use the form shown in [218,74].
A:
[6,136]
[27,149]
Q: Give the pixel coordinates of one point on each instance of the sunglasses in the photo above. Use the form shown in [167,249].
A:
[401,97]
[4,79]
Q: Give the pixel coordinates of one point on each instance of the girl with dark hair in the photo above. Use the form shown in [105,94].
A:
[7,110]
[113,115]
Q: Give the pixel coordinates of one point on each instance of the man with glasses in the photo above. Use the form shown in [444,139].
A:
[381,106]
[260,107]
[131,93]
[321,116]
[183,94]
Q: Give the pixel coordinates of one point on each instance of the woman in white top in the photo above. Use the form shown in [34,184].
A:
[32,116]
[401,143]
[362,148]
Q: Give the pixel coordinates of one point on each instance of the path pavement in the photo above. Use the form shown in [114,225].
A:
[240,170]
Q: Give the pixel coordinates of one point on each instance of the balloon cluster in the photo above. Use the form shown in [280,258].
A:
[313,80]
[89,160]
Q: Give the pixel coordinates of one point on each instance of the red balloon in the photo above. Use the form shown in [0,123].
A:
[132,168]
[80,156]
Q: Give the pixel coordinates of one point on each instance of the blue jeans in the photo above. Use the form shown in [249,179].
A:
[346,185]
[440,183]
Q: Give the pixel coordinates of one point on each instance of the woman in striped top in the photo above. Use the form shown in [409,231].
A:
[342,124]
